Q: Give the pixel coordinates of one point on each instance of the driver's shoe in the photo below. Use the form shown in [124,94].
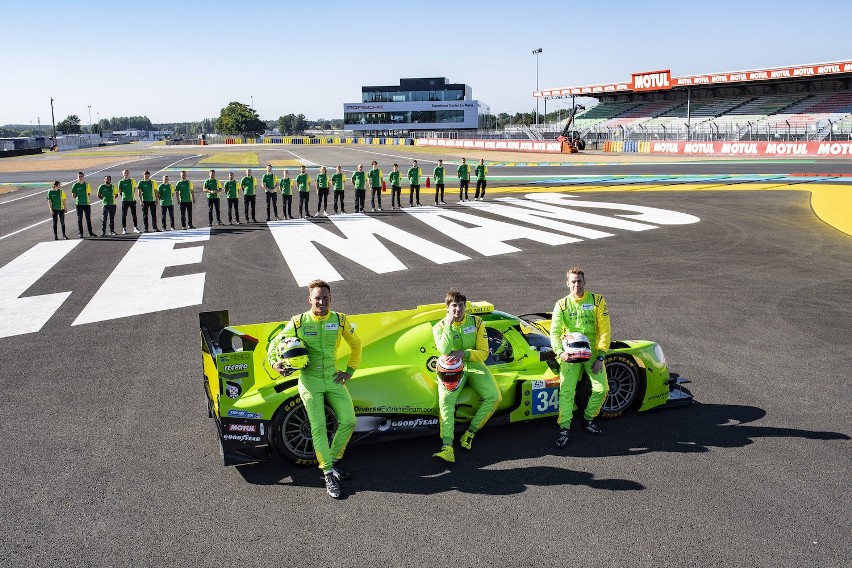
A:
[467,440]
[332,486]
[446,454]
[340,473]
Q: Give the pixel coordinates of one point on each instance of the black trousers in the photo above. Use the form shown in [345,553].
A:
[439,192]
[322,197]
[170,211]
[213,204]
[304,200]
[108,212]
[360,196]
[376,193]
[250,200]
[396,193]
[149,207]
[415,190]
[463,189]
[186,214]
[287,206]
[87,211]
[480,183]
[234,204]
[271,199]
[125,207]
[338,196]
[61,216]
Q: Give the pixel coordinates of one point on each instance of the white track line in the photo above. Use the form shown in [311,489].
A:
[300,157]
[95,202]
[389,155]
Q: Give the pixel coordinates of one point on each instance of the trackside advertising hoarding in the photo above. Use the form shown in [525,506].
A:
[552,147]
[770,149]
[652,81]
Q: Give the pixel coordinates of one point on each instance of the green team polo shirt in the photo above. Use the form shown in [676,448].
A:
[439,174]
[303,181]
[414,176]
[463,172]
[481,171]
[247,185]
[231,189]
[269,181]
[359,180]
[184,190]
[57,199]
[165,193]
[81,193]
[375,176]
[286,185]
[107,193]
[127,187]
[147,188]
[337,182]
[394,178]
[322,181]
[213,186]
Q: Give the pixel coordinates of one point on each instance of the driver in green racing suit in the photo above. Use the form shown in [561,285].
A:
[320,331]
[463,335]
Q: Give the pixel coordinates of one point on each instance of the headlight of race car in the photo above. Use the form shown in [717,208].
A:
[659,355]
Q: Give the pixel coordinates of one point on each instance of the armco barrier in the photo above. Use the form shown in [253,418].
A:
[548,146]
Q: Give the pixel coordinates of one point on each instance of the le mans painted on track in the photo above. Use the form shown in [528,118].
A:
[561,219]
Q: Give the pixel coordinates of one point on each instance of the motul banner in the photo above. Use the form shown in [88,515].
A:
[833,149]
[551,147]
[652,81]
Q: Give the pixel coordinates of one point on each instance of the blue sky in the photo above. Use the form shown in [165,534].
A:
[184,60]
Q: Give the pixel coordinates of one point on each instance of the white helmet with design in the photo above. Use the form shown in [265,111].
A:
[577,346]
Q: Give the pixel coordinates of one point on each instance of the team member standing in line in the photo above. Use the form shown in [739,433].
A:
[56,198]
[147,195]
[232,194]
[322,192]
[167,206]
[212,187]
[414,174]
[303,182]
[127,189]
[586,313]
[270,184]
[462,336]
[439,182]
[396,187]
[249,186]
[186,197]
[82,193]
[463,173]
[320,331]
[359,180]
[376,178]
[480,171]
[337,181]
[107,194]
[286,186]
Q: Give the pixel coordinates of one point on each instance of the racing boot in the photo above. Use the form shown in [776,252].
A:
[340,473]
[563,438]
[592,427]
[446,454]
[332,486]
[467,439]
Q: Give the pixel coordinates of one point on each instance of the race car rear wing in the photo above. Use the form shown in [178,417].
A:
[217,336]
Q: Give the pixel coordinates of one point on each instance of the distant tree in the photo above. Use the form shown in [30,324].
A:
[237,118]
[71,125]
[285,124]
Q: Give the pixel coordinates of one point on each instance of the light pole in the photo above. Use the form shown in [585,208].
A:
[252,102]
[536,52]
[53,122]
[90,118]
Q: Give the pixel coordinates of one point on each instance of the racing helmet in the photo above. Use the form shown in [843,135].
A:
[450,371]
[292,352]
[577,346]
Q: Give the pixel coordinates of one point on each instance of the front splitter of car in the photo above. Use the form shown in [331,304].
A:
[679,395]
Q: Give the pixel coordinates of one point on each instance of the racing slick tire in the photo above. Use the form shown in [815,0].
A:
[290,431]
[626,385]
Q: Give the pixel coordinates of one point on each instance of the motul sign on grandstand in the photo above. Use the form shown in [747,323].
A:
[754,148]
[652,80]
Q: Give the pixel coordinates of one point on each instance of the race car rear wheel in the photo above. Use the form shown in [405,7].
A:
[626,385]
[290,431]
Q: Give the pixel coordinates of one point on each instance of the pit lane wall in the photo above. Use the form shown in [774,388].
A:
[759,149]
[545,146]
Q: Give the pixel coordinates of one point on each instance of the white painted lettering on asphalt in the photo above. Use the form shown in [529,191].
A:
[136,286]
[28,315]
[543,209]
[297,241]
[644,214]
[541,215]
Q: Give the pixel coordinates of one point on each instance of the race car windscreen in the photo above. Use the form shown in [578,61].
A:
[535,338]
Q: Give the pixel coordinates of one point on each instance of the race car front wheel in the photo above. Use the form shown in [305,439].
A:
[626,385]
[290,431]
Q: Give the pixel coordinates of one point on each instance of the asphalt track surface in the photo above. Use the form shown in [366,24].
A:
[110,459]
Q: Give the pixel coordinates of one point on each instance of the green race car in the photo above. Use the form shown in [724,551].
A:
[395,390]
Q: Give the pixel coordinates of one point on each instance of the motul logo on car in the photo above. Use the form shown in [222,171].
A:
[654,80]
[251,428]
[729,148]
[787,149]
